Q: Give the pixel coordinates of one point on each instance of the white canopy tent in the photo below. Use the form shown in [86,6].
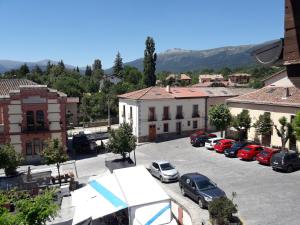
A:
[133,188]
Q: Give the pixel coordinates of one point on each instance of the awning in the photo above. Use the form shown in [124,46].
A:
[99,198]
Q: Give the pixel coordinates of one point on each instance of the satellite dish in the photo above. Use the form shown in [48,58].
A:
[270,53]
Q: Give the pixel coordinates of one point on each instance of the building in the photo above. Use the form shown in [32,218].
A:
[278,101]
[157,112]
[110,78]
[182,77]
[72,111]
[30,114]
[278,79]
[239,78]
[211,78]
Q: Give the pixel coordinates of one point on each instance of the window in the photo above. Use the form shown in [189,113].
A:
[195,111]
[179,114]
[166,115]
[130,114]
[37,146]
[40,119]
[189,123]
[155,165]
[166,127]
[195,124]
[123,113]
[30,120]
[29,148]
[151,115]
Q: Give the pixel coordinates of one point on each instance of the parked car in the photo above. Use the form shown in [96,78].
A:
[223,144]
[249,152]
[164,171]
[233,151]
[264,157]
[199,141]
[201,133]
[199,188]
[210,143]
[286,161]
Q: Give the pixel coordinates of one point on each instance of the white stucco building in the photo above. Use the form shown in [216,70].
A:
[160,112]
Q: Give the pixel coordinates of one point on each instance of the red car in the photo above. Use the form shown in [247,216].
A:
[221,145]
[249,152]
[264,157]
[201,133]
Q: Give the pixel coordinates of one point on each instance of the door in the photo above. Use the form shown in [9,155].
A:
[178,128]
[152,132]
[155,170]
[193,191]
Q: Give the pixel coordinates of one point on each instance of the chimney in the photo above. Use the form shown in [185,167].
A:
[286,93]
[168,89]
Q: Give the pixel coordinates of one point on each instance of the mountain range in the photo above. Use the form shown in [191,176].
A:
[174,60]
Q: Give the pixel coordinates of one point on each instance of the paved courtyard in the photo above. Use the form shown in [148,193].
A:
[264,197]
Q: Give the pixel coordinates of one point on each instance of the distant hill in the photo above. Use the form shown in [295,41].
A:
[6,65]
[175,60]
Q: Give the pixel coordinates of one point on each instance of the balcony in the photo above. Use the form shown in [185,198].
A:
[33,129]
[152,118]
[179,116]
[195,115]
[166,117]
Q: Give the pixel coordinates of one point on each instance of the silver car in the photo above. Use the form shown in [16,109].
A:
[164,171]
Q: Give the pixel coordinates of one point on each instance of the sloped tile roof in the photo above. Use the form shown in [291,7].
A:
[271,96]
[7,85]
[153,93]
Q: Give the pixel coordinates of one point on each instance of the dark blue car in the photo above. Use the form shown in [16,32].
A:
[232,152]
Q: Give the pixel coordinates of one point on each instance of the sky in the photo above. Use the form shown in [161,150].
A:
[79,31]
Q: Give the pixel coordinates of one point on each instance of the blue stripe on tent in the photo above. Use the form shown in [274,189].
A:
[109,196]
[158,214]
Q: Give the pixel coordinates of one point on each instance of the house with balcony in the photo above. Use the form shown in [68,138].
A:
[30,114]
[157,112]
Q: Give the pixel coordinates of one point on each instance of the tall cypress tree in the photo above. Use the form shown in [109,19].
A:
[118,68]
[77,69]
[24,70]
[97,72]
[149,63]
[61,64]
[48,68]
[88,71]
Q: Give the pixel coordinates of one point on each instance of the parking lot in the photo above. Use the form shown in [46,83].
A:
[264,197]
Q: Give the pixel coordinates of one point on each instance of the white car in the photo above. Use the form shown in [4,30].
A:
[164,171]
[210,143]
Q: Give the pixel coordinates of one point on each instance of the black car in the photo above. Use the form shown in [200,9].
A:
[199,188]
[232,152]
[83,144]
[199,141]
[286,161]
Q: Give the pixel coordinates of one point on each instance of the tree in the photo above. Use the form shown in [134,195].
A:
[88,71]
[24,70]
[242,122]
[77,69]
[48,67]
[37,211]
[264,124]
[121,140]
[61,65]
[55,153]
[118,66]
[220,117]
[296,125]
[221,210]
[10,160]
[149,63]
[285,132]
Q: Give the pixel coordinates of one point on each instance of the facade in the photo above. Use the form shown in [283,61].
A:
[30,114]
[239,78]
[163,112]
[211,78]
[182,77]
[278,101]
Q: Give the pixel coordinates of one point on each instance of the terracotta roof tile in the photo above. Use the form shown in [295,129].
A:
[153,93]
[7,85]
[271,96]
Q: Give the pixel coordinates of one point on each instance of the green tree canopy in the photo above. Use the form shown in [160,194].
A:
[118,68]
[220,117]
[55,153]
[242,122]
[121,140]
[149,63]
[264,124]
[10,160]
[88,71]
[296,125]
[24,70]
[285,131]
